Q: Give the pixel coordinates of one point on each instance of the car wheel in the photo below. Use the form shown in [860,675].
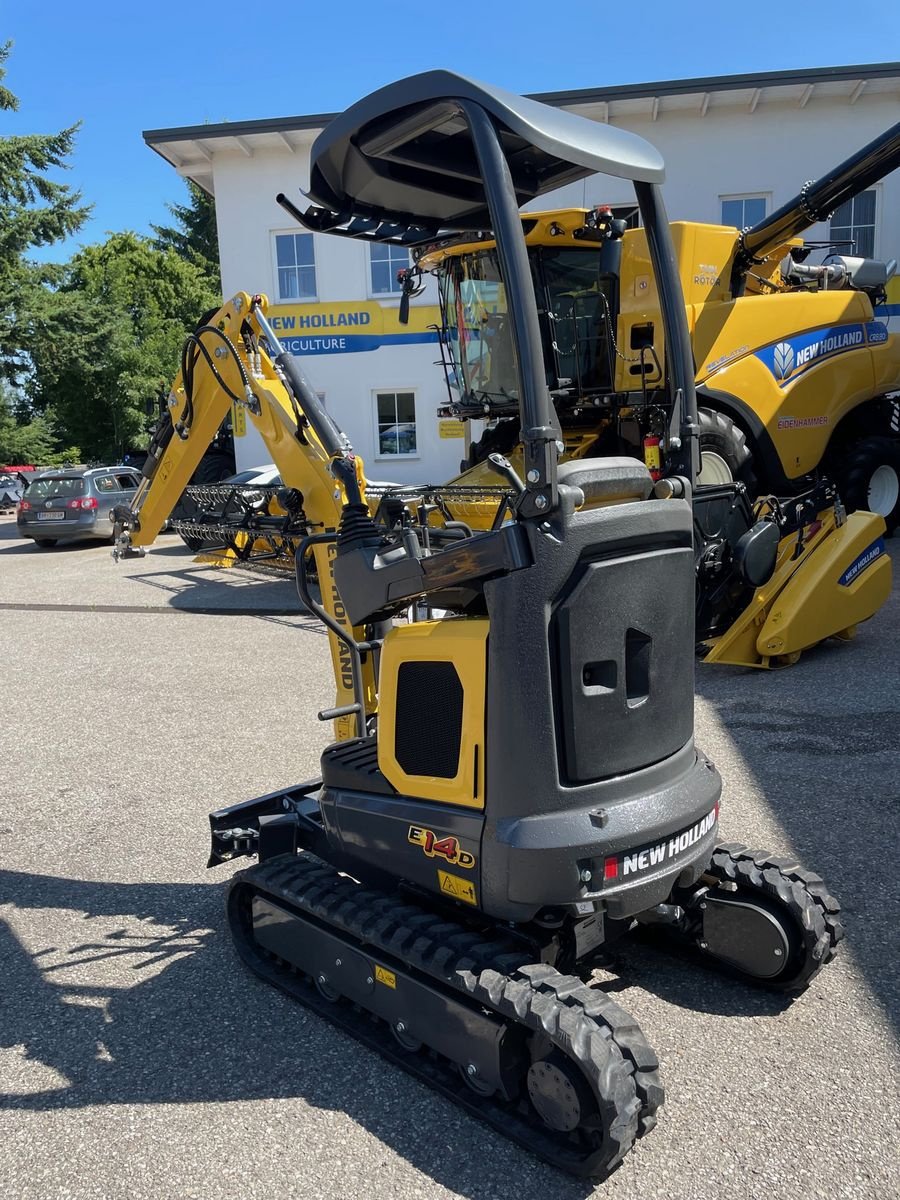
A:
[45,543]
[869,478]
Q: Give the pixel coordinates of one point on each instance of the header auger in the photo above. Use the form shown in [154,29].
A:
[514,782]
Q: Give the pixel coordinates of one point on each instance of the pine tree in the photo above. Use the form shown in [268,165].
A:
[34,211]
[195,238]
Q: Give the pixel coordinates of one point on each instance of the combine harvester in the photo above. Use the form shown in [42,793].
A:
[513,783]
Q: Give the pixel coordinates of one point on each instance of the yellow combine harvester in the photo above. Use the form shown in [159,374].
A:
[796,374]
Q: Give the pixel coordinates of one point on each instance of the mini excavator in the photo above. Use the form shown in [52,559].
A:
[514,782]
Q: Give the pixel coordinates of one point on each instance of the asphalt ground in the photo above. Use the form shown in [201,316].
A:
[139,1059]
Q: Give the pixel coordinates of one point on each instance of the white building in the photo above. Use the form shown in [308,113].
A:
[736,148]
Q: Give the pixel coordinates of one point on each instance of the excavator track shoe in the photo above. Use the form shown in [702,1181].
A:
[784,924]
[553,1064]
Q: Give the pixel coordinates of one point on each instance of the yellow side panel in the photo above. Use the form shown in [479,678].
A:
[462,642]
[802,402]
[842,578]
[845,581]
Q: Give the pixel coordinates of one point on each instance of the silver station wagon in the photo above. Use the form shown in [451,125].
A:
[74,505]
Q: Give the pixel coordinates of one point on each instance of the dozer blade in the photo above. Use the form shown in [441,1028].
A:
[840,578]
[546,1060]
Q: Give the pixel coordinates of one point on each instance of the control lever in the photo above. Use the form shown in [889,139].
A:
[504,467]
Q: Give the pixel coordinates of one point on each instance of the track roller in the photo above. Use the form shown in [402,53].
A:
[767,919]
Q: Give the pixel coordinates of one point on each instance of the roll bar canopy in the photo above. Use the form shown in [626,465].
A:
[405,153]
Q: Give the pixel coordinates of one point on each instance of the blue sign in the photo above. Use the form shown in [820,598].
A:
[794,356]
[868,556]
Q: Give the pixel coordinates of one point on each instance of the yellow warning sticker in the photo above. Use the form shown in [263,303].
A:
[383,975]
[451,429]
[458,888]
[238,420]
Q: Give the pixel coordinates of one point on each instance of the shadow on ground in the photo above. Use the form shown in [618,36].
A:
[195,1027]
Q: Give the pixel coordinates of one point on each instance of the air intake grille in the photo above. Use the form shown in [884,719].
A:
[429,719]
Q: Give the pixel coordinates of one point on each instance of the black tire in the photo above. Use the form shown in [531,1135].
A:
[720,437]
[856,470]
[810,915]
[45,543]
[213,468]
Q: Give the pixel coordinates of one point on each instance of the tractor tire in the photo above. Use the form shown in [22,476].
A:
[725,456]
[213,468]
[868,478]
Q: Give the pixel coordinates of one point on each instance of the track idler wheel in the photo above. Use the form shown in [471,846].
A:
[560,1093]
[768,919]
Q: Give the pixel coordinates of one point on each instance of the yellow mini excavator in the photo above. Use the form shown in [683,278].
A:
[514,782]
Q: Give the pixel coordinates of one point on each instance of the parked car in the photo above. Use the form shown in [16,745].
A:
[74,505]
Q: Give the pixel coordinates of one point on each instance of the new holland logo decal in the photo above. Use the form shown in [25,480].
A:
[790,359]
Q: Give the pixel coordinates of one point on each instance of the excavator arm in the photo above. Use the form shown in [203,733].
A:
[234,358]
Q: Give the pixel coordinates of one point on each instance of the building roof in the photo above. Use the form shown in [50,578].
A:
[190,148]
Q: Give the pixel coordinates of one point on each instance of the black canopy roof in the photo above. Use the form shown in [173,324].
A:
[405,154]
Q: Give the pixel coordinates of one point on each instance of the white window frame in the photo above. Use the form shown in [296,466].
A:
[392,294]
[764,196]
[390,390]
[876,234]
[276,290]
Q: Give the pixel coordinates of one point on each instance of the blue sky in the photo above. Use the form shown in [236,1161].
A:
[122,68]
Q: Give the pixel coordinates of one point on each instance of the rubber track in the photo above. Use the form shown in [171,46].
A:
[583,1022]
[815,913]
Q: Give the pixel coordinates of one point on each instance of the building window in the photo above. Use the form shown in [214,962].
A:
[396,417]
[741,211]
[296,266]
[854,221]
[386,261]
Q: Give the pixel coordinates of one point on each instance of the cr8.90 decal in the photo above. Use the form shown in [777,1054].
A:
[447,848]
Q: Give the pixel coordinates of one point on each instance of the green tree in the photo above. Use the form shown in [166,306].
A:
[34,211]
[194,236]
[107,340]
[29,441]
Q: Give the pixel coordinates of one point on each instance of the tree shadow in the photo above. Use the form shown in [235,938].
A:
[192,1025]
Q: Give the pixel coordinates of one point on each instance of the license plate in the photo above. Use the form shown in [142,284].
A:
[52,516]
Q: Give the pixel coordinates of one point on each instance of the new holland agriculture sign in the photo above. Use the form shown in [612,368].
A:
[351,327]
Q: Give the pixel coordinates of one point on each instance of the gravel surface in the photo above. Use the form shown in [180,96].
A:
[138,1059]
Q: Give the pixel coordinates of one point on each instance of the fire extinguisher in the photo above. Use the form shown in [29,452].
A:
[652,457]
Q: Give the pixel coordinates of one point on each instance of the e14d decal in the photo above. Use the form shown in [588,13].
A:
[447,848]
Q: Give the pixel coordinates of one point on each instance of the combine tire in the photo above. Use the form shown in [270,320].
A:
[797,899]
[869,478]
[724,453]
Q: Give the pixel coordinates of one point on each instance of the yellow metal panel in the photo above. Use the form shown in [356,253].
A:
[462,642]
[816,603]
[842,578]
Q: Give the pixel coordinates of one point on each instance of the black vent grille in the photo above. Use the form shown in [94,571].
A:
[429,719]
